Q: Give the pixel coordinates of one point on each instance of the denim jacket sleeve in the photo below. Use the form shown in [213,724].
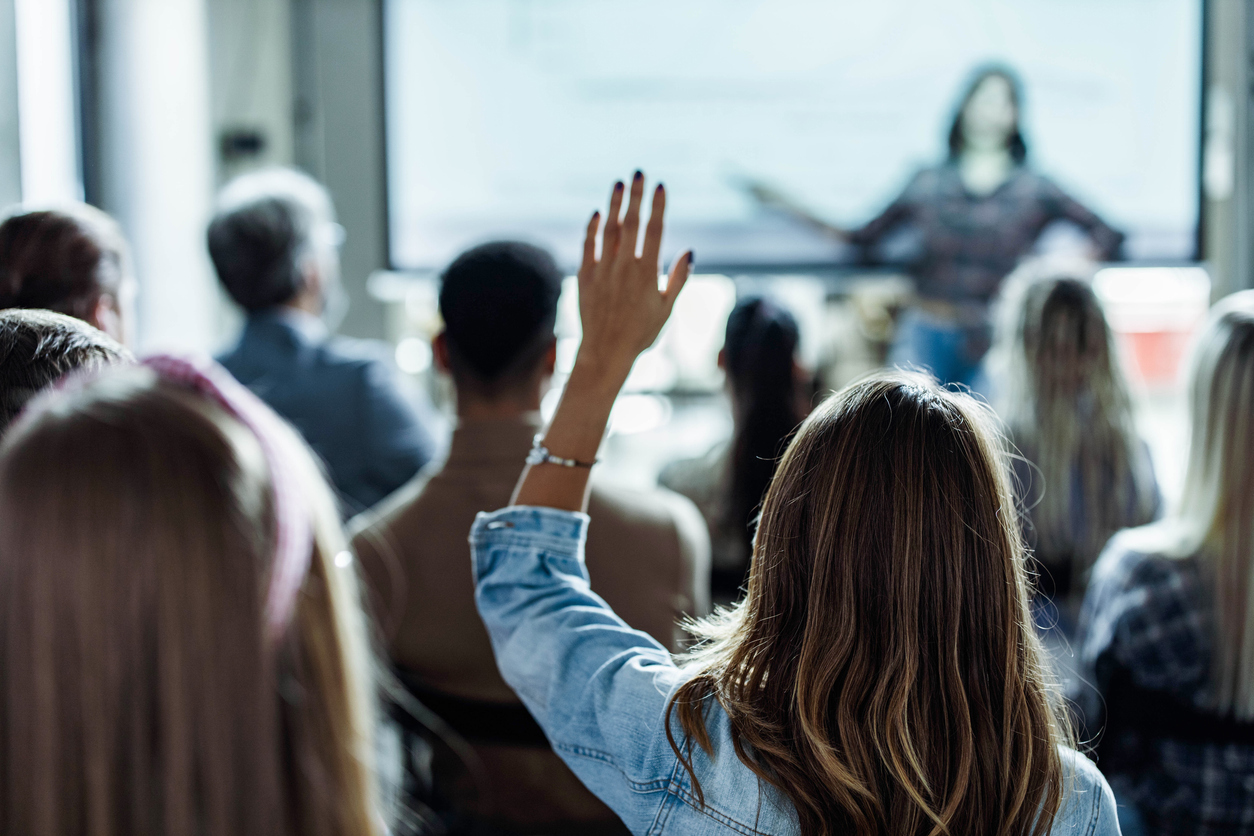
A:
[598,688]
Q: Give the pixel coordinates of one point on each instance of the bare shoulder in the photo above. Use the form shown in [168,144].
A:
[381,518]
[659,509]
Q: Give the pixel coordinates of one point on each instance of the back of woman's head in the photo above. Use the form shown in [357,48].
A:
[1215,518]
[882,672]
[61,259]
[146,689]
[1065,401]
[759,354]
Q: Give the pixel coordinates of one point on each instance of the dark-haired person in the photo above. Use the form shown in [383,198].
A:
[274,244]
[976,215]
[73,260]
[39,347]
[759,356]
[648,552]
[882,676]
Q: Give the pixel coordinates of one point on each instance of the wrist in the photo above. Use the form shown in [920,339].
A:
[599,374]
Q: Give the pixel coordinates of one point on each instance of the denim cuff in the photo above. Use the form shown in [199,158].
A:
[550,532]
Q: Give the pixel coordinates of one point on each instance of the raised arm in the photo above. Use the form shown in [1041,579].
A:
[622,311]
[596,687]
[773,198]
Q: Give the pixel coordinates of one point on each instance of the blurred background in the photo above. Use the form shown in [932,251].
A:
[438,124]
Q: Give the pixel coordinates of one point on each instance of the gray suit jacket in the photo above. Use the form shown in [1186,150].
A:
[343,397]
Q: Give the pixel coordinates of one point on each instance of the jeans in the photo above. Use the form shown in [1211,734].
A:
[951,351]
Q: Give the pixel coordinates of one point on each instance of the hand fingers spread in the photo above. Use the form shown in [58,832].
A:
[613,224]
[653,232]
[680,271]
[590,245]
[631,221]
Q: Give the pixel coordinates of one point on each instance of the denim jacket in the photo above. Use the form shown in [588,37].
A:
[600,689]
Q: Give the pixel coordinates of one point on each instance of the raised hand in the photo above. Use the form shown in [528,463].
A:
[620,305]
[622,311]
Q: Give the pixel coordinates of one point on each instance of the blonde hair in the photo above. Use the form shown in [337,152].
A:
[1065,402]
[883,672]
[141,693]
[1214,519]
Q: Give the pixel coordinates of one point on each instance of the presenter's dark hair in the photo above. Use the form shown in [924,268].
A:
[758,352]
[1015,142]
[499,304]
[39,347]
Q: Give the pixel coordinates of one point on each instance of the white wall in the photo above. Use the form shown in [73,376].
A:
[339,135]
[250,63]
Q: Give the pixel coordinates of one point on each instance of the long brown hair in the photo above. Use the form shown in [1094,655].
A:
[1065,401]
[141,692]
[883,672]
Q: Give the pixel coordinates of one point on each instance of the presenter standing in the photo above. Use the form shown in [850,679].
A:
[975,216]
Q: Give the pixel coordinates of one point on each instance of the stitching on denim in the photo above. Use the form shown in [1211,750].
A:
[655,785]
[718,816]
[1097,811]
[527,541]
[663,814]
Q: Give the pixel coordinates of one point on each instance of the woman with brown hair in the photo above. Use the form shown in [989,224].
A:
[882,675]
[181,647]
[72,260]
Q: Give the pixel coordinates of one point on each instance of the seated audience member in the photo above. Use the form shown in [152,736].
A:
[72,260]
[760,358]
[183,651]
[1167,628]
[37,348]
[882,676]
[647,552]
[1085,473]
[274,244]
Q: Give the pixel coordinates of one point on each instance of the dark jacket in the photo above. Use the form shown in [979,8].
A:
[343,397]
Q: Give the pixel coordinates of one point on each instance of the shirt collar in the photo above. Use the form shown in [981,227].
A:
[306,325]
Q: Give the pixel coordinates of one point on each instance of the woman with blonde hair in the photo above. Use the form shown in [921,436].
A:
[1084,472]
[181,647]
[881,676]
[1167,627]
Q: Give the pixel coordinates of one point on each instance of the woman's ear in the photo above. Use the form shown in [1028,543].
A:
[439,351]
[106,315]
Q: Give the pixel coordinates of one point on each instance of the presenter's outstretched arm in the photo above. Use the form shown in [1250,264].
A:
[622,311]
[770,196]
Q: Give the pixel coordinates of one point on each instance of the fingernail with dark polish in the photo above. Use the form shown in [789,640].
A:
[639,175]
[692,257]
[618,187]
[660,187]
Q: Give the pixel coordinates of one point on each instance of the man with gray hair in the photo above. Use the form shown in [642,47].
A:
[274,243]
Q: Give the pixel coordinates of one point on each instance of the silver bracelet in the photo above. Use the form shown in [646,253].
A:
[540,455]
